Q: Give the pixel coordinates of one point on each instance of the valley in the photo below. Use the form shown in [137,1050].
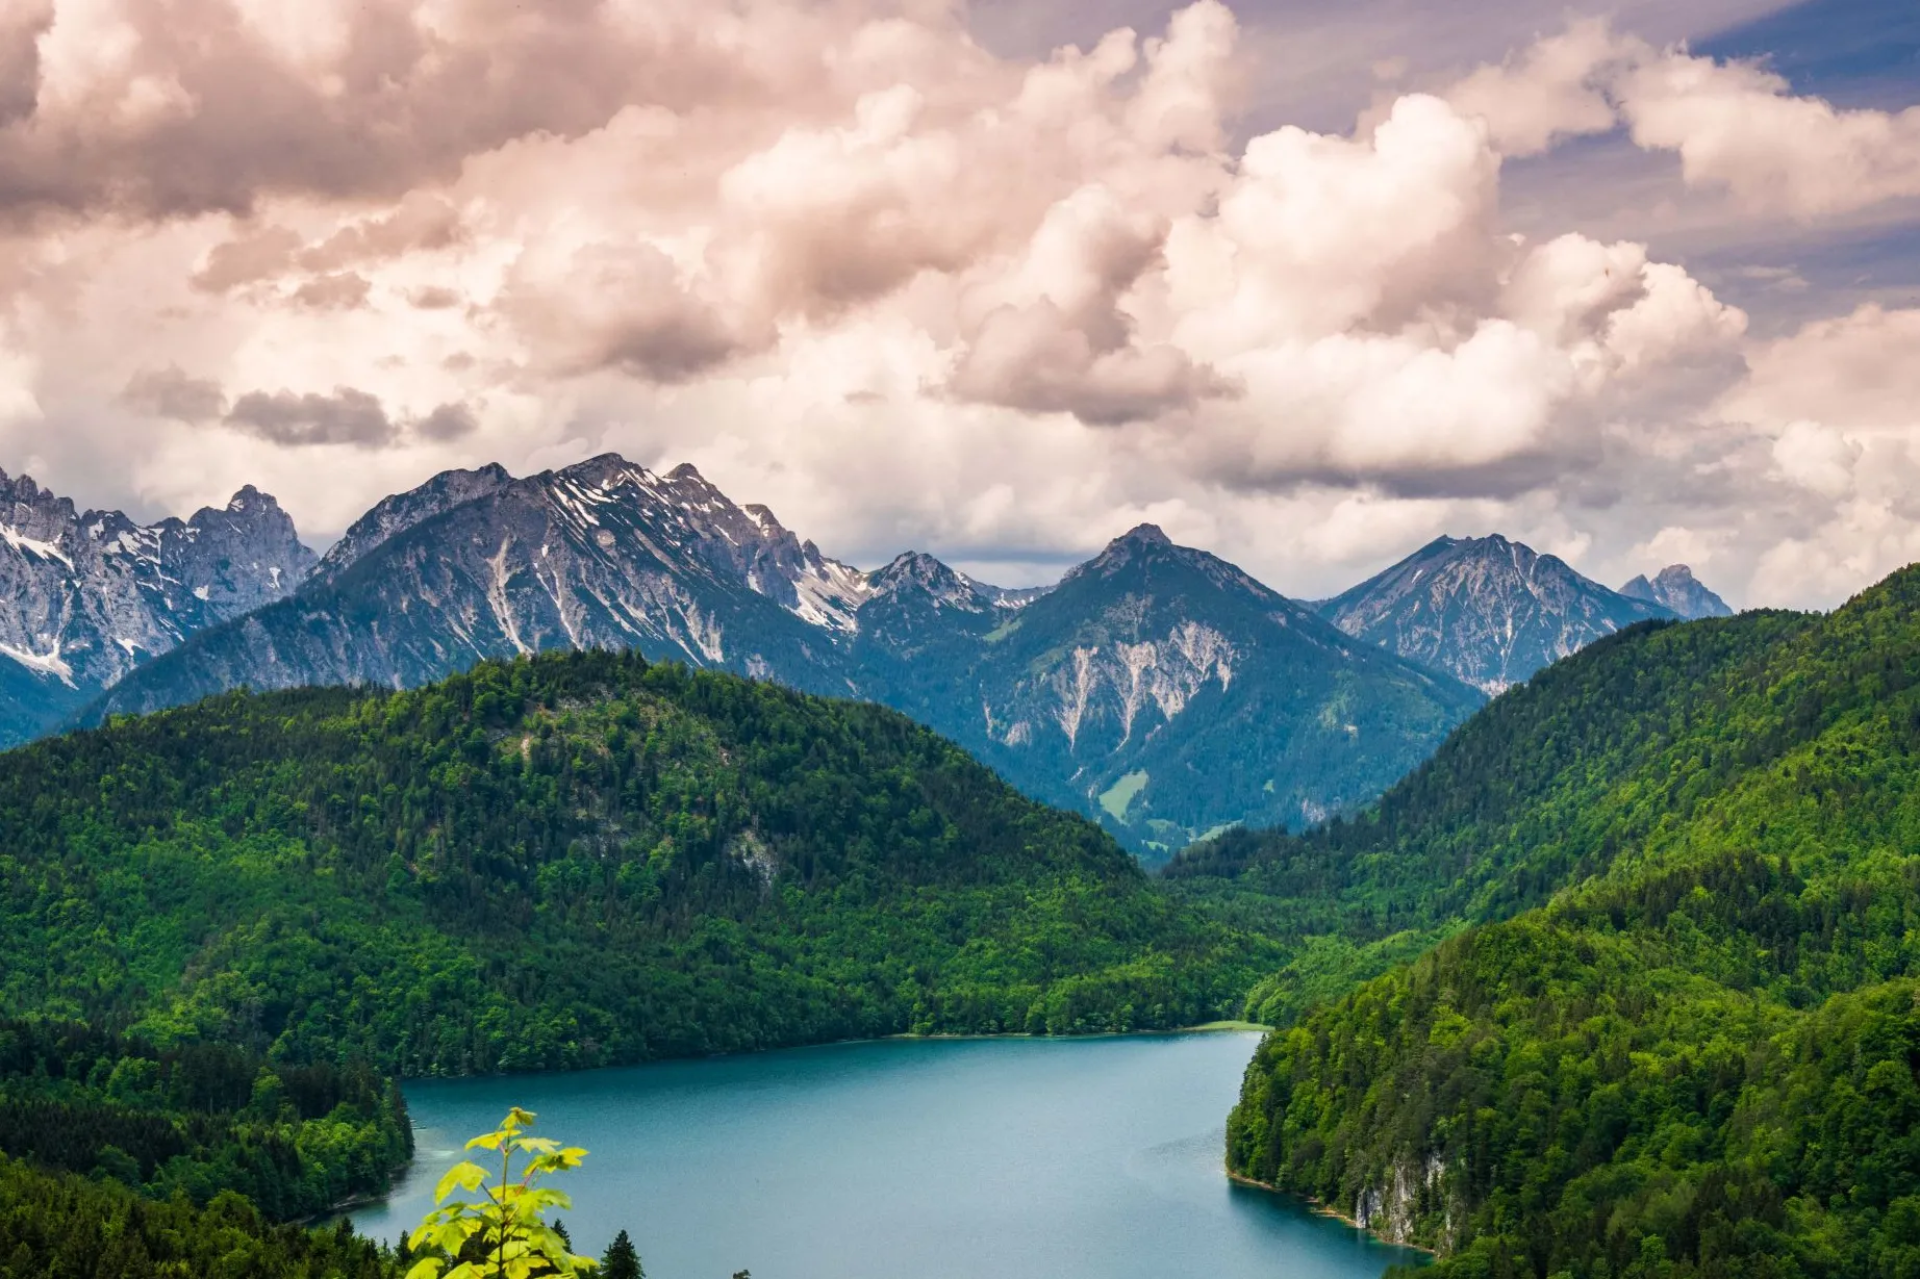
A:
[1615,978]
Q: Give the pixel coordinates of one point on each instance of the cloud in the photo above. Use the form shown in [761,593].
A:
[1555,88]
[433,297]
[1858,372]
[1734,125]
[254,255]
[912,291]
[1056,334]
[21,28]
[170,393]
[1739,127]
[340,290]
[348,416]
[446,423]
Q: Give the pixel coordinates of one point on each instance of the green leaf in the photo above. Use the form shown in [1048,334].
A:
[466,1176]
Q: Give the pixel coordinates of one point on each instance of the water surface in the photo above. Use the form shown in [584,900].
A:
[957,1159]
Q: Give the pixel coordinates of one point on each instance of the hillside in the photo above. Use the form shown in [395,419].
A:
[1167,691]
[567,861]
[1698,1059]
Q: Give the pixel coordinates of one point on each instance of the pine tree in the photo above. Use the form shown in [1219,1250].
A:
[621,1261]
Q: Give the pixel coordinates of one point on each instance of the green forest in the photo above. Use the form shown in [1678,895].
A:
[1621,983]
[563,862]
[1670,1027]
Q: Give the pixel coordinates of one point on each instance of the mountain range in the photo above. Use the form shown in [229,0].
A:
[1156,688]
[85,597]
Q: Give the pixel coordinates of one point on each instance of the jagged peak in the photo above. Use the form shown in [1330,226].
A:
[1145,535]
[917,565]
[598,470]
[250,498]
[686,471]
[917,571]
[770,524]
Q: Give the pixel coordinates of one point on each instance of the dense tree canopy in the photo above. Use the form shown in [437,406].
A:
[567,861]
[1699,1056]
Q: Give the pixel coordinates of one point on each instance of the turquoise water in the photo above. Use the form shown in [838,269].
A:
[968,1159]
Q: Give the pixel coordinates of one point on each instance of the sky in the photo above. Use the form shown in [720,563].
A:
[1307,284]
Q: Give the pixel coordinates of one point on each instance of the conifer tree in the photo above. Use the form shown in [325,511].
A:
[621,1261]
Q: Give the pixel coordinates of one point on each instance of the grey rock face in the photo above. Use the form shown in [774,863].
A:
[86,597]
[394,515]
[1485,610]
[1168,693]
[603,554]
[1677,589]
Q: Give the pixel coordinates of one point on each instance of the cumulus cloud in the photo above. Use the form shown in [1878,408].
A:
[1734,125]
[1858,372]
[1555,88]
[1740,127]
[1025,299]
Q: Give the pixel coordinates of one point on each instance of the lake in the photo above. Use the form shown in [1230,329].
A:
[908,1159]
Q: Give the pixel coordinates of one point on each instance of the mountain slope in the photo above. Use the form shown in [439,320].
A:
[1165,693]
[603,554]
[392,516]
[1179,695]
[85,597]
[1696,1058]
[1486,610]
[567,861]
[1677,590]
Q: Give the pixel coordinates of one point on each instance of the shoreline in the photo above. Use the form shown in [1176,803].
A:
[1321,1209]
[1203,1028]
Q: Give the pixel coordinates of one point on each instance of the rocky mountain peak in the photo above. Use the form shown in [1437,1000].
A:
[1487,610]
[1676,588]
[918,574]
[394,515]
[85,598]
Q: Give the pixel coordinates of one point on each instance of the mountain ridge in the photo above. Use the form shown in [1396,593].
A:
[1678,590]
[604,553]
[1486,610]
[84,594]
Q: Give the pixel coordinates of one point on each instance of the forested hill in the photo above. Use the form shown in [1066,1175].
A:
[1545,786]
[1700,1058]
[566,861]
